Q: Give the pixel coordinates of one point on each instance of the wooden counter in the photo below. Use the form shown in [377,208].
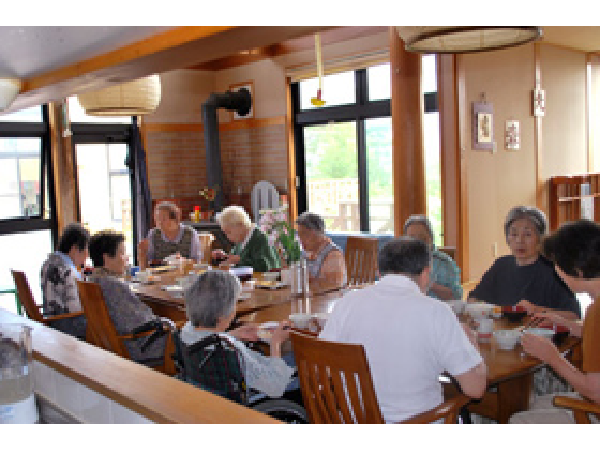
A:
[160,398]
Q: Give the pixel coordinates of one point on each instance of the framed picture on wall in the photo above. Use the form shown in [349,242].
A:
[483,126]
[512,134]
[236,87]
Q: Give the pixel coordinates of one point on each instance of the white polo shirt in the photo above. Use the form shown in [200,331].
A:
[409,340]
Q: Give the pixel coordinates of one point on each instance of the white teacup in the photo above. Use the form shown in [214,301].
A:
[507,339]
[485,329]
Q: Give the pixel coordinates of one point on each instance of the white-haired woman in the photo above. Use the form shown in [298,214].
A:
[210,308]
[525,277]
[251,246]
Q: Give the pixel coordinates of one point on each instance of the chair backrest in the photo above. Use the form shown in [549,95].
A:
[263,196]
[336,382]
[100,328]
[212,364]
[361,259]
[26,297]
[206,240]
[448,250]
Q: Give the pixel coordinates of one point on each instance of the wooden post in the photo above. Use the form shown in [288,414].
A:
[407,133]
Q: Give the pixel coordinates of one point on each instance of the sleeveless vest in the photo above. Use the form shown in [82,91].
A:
[314,265]
[162,249]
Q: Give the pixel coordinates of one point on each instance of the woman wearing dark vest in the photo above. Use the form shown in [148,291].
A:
[169,237]
[324,260]
[251,247]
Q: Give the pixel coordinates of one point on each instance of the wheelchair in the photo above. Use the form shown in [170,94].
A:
[214,364]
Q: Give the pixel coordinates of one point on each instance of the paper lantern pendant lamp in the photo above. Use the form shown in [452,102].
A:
[134,98]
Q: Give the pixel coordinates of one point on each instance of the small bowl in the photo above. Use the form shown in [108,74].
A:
[507,339]
[300,320]
[544,332]
[458,306]
[270,276]
[514,314]
[479,310]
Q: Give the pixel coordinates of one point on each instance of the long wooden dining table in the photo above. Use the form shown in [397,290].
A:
[509,375]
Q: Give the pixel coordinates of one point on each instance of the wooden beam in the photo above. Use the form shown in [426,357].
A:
[537,135]
[462,136]
[291,152]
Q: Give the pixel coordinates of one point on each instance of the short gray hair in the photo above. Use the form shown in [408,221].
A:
[534,215]
[211,296]
[311,221]
[234,215]
[423,220]
[404,255]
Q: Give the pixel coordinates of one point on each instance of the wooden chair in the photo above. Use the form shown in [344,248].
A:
[581,408]
[320,368]
[206,240]
[361,259]
[103,333]
[31,308]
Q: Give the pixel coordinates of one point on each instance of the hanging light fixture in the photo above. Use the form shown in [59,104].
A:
[465,39]
[133,98]
[9,88]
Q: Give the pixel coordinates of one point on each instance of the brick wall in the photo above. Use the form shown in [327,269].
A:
[251,151]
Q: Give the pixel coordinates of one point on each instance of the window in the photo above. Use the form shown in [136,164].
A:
[27,224]
[103,180]
[344,149]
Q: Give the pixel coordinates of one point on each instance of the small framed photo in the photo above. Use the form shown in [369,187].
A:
[236,87]
[512,135]
[539,102]
[483,126]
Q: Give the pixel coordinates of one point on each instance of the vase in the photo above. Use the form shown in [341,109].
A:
[286,276]
[299,278]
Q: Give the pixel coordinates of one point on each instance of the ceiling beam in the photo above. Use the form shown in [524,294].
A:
[174,49]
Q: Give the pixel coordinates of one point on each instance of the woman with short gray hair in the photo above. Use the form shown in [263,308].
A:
[324,260]
[525,277]
[210,307]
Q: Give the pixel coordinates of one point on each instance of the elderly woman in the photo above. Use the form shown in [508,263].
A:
[251,247]
[525,277]
[126,310]
[60,273]
[324,260]
[210,307]
[574,249]
[445,274]
[169,237]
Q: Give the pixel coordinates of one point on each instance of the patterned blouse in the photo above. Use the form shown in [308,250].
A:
[444,271]
[60,296]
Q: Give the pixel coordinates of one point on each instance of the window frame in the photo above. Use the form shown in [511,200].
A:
[358,112]
[37,222]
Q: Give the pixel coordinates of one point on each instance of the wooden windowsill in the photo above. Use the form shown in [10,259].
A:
[160,398]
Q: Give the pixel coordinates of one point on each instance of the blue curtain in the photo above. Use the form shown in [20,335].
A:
[142,200]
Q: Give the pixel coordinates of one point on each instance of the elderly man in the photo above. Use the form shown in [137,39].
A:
[574,250]
[169,237]
[445,274]
[409,338]
[324,259]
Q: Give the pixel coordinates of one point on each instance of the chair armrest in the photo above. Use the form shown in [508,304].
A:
[128,337]
[579,407]
[62,316]
[447,411]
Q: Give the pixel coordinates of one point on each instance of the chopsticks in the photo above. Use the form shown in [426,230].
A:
[534,322]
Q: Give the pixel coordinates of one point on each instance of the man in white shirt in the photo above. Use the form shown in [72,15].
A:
[409,338]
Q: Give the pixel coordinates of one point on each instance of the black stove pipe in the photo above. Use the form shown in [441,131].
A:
[240,102]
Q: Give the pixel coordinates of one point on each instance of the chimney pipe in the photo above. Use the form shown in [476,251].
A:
[240,102]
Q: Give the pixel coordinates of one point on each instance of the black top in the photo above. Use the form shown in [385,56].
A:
[506,284]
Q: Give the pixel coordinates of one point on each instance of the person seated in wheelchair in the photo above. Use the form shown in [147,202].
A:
[210,303]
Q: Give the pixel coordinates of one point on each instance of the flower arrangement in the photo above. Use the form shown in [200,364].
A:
[209,193]
[280,233]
